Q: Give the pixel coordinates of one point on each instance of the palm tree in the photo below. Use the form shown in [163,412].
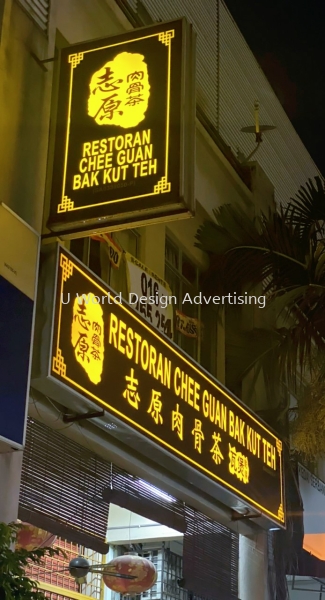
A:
[284,252]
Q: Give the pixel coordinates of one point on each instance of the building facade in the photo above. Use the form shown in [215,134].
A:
[229,168]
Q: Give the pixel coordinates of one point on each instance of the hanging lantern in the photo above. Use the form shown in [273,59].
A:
[31,538]
[130,564]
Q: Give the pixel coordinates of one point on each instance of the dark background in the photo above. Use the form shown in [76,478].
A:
[287,38]
[264,483]
[83,127]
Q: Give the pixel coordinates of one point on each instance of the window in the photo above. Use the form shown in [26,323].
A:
[39,10]
[94,255]
[182,275]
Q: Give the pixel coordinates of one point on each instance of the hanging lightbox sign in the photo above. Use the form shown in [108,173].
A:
[99,348]
[124,144]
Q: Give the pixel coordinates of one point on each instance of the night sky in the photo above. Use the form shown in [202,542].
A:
[288,40]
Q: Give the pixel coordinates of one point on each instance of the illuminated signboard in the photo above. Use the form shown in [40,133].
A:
[103,350]
[124,143]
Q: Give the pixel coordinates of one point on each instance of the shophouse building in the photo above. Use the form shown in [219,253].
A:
[137,433]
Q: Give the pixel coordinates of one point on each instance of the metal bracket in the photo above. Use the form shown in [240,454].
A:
[76,418]
[42,62]
[236,516]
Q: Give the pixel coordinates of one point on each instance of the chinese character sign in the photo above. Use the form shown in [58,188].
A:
[122,147]
[118,359]
[119,92]
[87,335]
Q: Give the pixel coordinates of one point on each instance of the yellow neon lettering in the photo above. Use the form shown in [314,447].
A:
[138,341]
[205,403]
[153,166]
[83,168]
[119,142]
[177,375]
[253,441]
[103,146]
[100,161]
[144,168]
[152,361]
[128,140]
[95,147]
[196,395]
[269,454]
[135,169]
[86,149]
[92,162]
[121,337]
[121,157]
[190,391]
[137,139]
[106,176]
[167,372]
[108,159]
[110,143]
[231,423]
[144,355]
[146,134]
[76,182]
[129,341]
[160,368]
[113,328]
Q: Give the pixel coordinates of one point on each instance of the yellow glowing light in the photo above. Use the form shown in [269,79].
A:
[238,464]
[119,91]
[155,407]
[87,335]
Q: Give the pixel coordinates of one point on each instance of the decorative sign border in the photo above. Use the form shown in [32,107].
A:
[67,267]
[163,185]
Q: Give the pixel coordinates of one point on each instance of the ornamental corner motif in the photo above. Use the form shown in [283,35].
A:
[165,37]
[162,187]
[66,205]
[281,513]
[58,364]
[75,59]
[66,266]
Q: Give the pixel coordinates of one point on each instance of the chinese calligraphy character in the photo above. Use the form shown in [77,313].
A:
[177,422]
[198,435]
[82,347]
[104,84]
[87,336]
[95,340]
[155,407]
[108,108]
[80,316]
[134,88]
[97,328]
[217,455]
[133,100]
[136,76]
[119,91]
[131,392]
[238,464]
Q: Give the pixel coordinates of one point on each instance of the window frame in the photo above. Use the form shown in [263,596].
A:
[177,271]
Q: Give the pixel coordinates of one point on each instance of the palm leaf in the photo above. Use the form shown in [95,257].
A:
[307,208]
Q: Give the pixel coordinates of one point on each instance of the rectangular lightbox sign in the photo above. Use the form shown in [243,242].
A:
[105,351]
[124,144]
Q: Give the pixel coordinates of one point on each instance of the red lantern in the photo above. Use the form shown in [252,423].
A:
[32,538]
[130,564]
